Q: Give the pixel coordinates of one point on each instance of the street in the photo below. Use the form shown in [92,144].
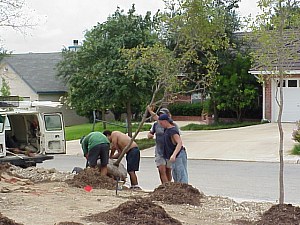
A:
[256,181]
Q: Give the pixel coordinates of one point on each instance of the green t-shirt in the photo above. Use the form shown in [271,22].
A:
[93,139]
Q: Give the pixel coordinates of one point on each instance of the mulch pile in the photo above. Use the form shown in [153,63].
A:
[284,214]
[93,178]
[4,167]
[280,214]
[6,221]
[177,194]
[137,212]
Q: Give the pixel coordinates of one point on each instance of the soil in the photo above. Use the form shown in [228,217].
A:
[88,198]
[92,177]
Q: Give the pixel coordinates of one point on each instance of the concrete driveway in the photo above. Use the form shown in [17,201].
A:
[253,143]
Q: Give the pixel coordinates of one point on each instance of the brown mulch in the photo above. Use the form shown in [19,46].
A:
[281,214]
[177,194]
[4,167]
[142,211]
[6,221]
[93,178]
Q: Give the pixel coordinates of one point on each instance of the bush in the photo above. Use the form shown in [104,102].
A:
[296,150]
[186,109]
[296,133]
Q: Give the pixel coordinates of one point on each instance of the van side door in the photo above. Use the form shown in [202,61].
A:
[54,133]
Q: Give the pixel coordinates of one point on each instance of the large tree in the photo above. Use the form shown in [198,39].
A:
[235,89]
[101,68]
[202,35]
[276,34]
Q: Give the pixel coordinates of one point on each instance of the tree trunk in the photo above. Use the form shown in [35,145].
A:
[103,118]
[216,114]
[281,73]
[144,118]
[128,122]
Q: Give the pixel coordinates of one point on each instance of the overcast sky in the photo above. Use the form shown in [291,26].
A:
[62,21]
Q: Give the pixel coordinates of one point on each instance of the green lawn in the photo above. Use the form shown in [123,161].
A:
[77,131]
[193,126]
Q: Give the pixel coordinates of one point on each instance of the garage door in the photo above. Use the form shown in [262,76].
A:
[291,97]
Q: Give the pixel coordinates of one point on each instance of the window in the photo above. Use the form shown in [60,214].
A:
[292,83]
[53,122]
[2,120]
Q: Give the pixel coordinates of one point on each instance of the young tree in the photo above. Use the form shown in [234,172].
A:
[164,68]
[276,35]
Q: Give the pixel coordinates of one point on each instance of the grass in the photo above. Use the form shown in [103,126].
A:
[145,143]
[193,126]
[296,149]
[77,131]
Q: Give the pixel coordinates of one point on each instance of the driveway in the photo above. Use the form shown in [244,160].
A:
[252,143]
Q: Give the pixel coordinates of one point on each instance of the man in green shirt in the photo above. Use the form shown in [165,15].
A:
[96,146]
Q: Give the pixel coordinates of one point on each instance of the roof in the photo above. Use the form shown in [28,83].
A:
[38,70]
[290,48]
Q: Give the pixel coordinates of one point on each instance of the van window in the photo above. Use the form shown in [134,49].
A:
[1,123]
[53,122]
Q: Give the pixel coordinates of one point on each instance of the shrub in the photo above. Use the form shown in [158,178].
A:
[296,132]
[296,150]
[186,109]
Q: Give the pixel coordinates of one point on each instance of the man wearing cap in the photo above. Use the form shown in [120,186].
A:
[174,149]
[163,165]
[96,146]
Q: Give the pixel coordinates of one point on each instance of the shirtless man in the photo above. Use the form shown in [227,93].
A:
[118,142]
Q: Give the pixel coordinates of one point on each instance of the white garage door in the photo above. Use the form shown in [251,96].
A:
[291,97]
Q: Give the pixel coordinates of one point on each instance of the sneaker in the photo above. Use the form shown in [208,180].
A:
[135,188]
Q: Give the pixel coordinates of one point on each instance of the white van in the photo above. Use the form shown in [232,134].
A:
[31,131]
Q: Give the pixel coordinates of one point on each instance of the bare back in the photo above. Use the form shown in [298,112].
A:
[120,140]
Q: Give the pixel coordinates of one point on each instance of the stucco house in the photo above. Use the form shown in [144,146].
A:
[33,76]
[291,87]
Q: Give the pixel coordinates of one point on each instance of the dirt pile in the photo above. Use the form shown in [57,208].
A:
[6,221]
[177,193]
[92,177]
[280,215]
[4,167]
[141,211]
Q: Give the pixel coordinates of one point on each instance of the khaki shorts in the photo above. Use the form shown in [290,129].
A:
[161,161]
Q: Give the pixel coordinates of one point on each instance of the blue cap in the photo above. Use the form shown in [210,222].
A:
[165,117]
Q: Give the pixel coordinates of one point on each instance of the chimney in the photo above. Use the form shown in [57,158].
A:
[75,46]
[75,42]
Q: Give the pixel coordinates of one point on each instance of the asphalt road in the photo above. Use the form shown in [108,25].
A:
[257,181]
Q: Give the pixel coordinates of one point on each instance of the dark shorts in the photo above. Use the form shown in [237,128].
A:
[101,152]
[133,159]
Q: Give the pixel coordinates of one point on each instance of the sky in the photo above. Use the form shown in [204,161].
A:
[62,21]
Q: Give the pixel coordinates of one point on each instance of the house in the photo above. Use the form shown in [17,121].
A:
[291,86]
[33,76]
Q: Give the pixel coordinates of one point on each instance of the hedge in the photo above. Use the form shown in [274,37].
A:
[186,109]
